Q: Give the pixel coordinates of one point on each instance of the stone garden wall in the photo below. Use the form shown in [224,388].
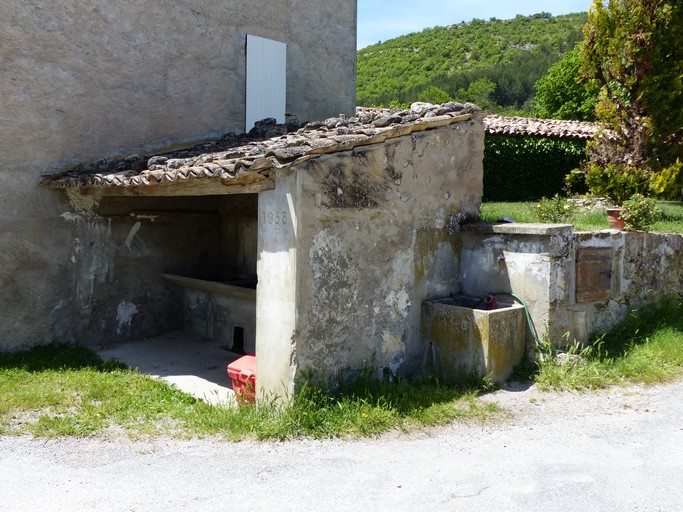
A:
[575,284]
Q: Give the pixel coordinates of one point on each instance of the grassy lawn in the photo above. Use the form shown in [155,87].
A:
[61,390]
[671,222]
[68,391]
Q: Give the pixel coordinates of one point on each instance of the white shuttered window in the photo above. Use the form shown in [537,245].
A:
[266,80]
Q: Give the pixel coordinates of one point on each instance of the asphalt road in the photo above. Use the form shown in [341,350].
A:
[617,450]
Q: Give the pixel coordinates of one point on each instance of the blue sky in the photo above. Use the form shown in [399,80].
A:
[379,20]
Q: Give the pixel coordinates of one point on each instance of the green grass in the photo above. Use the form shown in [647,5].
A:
[647,348]
[672,217]
[61,390]
[68,391]
[672,221]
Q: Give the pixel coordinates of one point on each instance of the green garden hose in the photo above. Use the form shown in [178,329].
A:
[526,310]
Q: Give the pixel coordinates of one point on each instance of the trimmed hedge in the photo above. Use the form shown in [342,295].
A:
[528,168]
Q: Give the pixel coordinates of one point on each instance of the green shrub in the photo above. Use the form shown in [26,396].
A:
[528,168]
[616,181]
[433,94]
[575,182]
[640,212]
[667,183]
[554,210]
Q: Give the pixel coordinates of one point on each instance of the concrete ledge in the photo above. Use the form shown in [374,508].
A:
[505,228]
[215,287]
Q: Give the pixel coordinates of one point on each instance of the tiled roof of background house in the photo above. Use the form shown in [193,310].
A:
[503,125]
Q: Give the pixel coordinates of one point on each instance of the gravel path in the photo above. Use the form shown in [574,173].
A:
[620,449]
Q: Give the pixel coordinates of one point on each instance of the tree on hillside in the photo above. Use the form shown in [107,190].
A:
[633,49]
[513,54]
[564,94]
[433,94]
[479,92]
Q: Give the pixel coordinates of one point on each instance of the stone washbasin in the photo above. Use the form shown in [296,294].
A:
[467,341]
[219,303]
[224,281]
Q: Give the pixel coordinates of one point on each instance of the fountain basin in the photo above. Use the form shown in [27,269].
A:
[469,341]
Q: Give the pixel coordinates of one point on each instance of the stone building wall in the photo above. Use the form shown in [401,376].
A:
[82,81]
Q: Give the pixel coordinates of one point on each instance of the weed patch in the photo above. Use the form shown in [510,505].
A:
[646,348]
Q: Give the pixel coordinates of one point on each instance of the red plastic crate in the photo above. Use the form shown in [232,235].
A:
[242,372]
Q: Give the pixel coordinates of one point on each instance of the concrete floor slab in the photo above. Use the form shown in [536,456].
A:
[195,365]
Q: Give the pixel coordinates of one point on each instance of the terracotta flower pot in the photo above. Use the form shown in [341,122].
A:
[614,218]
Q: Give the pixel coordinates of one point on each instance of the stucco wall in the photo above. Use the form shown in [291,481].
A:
[216,315]
[84,80]
[90,277]
[239,232]
[368,236]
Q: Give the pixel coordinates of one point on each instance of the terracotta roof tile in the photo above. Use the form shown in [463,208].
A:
[502,125]
[232,157]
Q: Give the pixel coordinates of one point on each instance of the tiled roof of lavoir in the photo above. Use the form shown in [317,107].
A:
[244,161]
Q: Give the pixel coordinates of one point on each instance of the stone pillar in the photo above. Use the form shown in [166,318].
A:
[277,289]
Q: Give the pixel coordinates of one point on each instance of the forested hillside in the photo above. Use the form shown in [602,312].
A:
[493,63]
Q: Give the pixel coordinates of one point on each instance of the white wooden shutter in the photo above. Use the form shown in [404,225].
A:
[266,80]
